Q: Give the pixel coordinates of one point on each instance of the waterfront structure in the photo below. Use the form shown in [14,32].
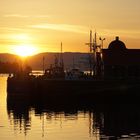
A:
[120,62]
[115,72]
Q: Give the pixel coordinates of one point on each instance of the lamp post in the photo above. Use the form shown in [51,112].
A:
[102,40]
[101,55]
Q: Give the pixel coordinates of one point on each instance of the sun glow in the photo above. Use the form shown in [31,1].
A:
[25,50]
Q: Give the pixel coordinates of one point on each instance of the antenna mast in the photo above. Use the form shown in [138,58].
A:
[95,56]
[90,44]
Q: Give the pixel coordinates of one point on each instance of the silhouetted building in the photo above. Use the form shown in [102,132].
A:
[120,62]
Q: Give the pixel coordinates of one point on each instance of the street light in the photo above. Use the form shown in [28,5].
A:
[102,40]
[102,61]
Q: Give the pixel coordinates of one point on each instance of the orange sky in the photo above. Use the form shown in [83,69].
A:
[43,24]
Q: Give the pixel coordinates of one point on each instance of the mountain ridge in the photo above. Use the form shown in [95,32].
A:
[71,59]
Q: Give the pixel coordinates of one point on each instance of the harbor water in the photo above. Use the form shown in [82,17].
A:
[22,119]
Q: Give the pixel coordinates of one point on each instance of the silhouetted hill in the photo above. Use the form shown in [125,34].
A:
[6,57]
[76,60]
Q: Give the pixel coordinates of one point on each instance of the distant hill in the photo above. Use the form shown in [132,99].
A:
[76,60]
[6,57]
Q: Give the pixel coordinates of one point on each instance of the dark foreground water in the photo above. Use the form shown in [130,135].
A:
[24,119]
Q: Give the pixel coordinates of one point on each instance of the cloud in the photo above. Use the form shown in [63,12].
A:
[123,32]
[41,16]
[25,16]
[16,15]
[11,29]
[62,27]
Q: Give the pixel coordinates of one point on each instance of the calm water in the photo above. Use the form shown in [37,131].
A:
[22,119]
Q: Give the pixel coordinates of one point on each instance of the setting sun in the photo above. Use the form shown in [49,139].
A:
[25,50]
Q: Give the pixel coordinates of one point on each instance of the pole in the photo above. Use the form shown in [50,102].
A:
[101,53]
[43,65]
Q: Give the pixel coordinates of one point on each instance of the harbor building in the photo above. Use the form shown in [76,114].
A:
[121,62]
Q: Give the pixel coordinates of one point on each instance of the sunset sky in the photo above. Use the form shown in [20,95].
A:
[41,25]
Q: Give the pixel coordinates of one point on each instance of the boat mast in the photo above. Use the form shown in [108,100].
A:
[43,64]
[90,44]
[94,54]
[90,55]
[98,58]
[90,41]
[61,57]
